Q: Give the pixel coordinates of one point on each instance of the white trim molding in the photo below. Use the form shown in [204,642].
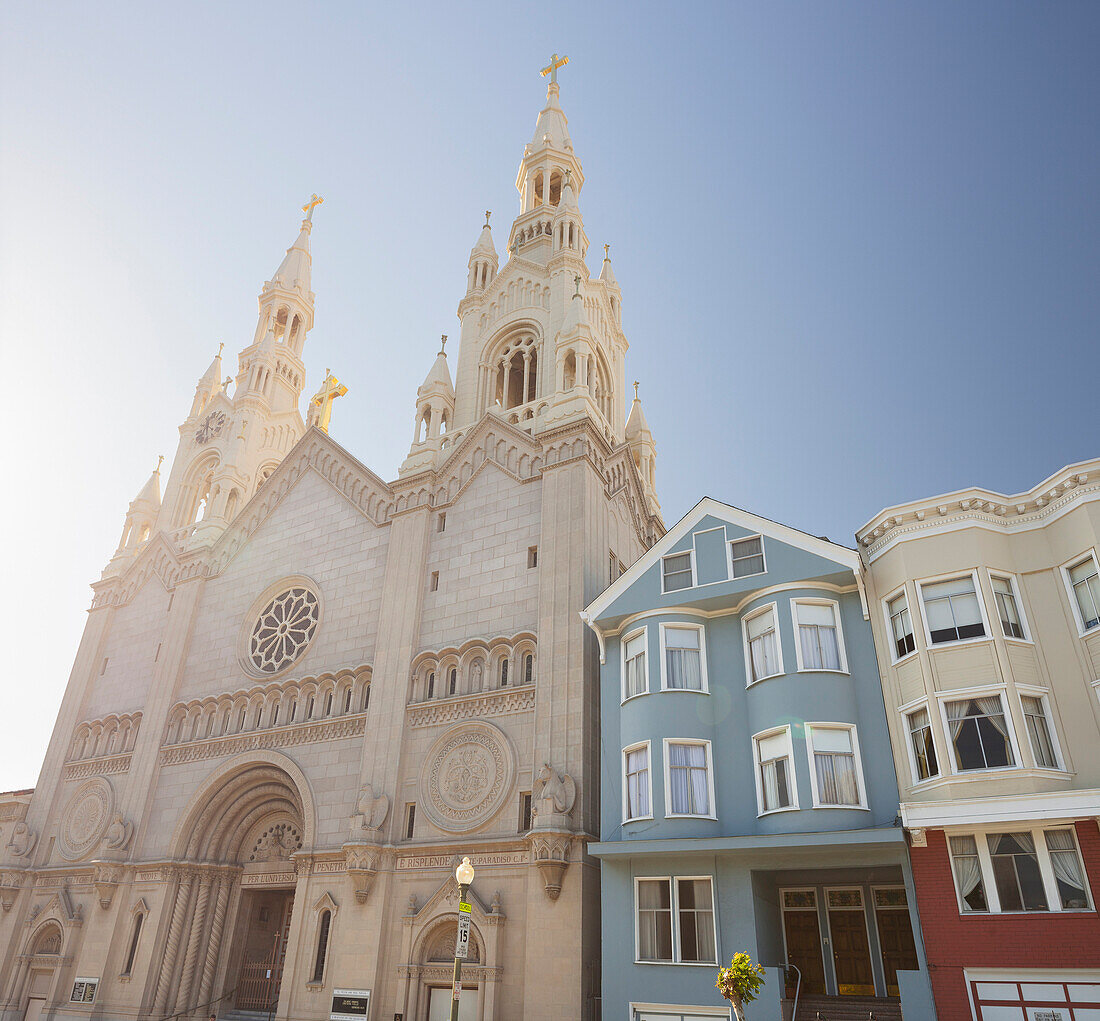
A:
[974,812]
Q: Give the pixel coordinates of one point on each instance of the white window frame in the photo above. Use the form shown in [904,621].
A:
[841,653]
[755,612]
[861,785]
[985,862]
[906,711]
[708,760]
[694,581]
[1029,691]
[978,594]
[637,926]
[1014,585]
[649,768]
[1065,569]
[729,556]
[792,780]
[637,1007]
[629,637]
[965,695]
[674,902]
[683,626]
[901,590]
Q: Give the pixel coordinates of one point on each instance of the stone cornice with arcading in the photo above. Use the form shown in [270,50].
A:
[1067,488]
[524,459]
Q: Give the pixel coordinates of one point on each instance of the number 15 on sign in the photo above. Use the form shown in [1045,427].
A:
[462,942]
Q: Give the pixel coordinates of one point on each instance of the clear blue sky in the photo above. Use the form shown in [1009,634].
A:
[858,243]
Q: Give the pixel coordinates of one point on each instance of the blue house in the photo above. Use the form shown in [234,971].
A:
[749,801]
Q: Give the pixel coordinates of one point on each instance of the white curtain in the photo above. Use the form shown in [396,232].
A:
[968,873]
[835,765]
[820,649]
[637,778]
[1064,860]
[635,665]
[682,660]
[762,648]
[688,777]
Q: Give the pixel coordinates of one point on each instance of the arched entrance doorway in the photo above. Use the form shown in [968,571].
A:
[232,896]
[38,973]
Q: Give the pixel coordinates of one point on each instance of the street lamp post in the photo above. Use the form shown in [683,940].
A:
[465,876]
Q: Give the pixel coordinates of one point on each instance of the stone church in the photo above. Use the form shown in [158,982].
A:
[303,693]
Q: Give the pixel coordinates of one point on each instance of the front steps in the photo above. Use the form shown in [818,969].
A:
[848,1008]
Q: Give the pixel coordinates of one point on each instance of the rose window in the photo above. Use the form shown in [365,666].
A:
[284,629]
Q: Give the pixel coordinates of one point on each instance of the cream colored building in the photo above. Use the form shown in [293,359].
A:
[979,594]
[303,692]
[986,611]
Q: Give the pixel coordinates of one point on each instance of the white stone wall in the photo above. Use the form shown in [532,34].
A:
[485,586]
[315,532]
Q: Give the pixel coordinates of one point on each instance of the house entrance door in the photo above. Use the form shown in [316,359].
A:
[895,935]
[803,938]
[851,949]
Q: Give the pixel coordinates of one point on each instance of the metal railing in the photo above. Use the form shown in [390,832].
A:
[198,1006]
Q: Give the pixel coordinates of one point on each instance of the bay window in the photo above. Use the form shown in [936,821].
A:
[684,659]
[689,786]
[1038,732]
[775,785]
[1005,594]
[901,625]
[924,749]
[979,733]
[654,919]
[952,610]
[1084,582]
[835,770]
[1016,872]
[1069,874]
[968,873]
[819,641]
[762,645]
[636,792]
[635,678]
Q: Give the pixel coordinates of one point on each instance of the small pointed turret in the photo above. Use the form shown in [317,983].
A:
[435,409]
[483,260]
[607,274]
[141,519]
[643,450]
[208,385]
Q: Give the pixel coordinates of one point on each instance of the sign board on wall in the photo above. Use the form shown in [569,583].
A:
[350,1004]
[84,990]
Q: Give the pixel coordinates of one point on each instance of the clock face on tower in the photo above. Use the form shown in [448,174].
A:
[210,426]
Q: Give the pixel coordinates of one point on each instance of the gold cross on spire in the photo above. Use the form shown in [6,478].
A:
[160,461]
[607,251]
[308,207]
[320,404]
[443,343]
[552,69]
[488,213]
[635,389]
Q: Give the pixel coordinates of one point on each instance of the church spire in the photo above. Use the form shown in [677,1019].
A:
[483,260]
[435,410]
[643,450]
[141,519]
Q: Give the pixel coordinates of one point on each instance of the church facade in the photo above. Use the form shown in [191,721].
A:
[303,693]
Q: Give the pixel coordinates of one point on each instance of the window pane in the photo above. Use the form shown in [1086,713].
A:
[952,610]
[637,783]
[689,793]
[759,624]
[635,646]
[677,572]
[681,638]
[1068,873]
[654,920]
[901,624]
[748,557]
[1086,589]
[696,913]
[1016,872]
[968,873]
[773,746]
[832,739]
[1039,732]
[1007,610]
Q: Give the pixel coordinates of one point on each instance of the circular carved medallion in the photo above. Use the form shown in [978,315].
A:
[86,818]
[467,775]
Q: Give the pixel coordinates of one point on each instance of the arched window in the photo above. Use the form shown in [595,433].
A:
[555,188]
[328,704]
[322,946]
[528,668]
[452,681]
[366,696]
[347,701]
[504,673]
[133,945]
[431,685]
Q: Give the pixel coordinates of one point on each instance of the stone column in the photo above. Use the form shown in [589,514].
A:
[213,947]
[185,994]
[172,946]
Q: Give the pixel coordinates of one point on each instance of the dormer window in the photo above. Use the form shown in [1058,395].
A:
[747,557]
[676,572]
